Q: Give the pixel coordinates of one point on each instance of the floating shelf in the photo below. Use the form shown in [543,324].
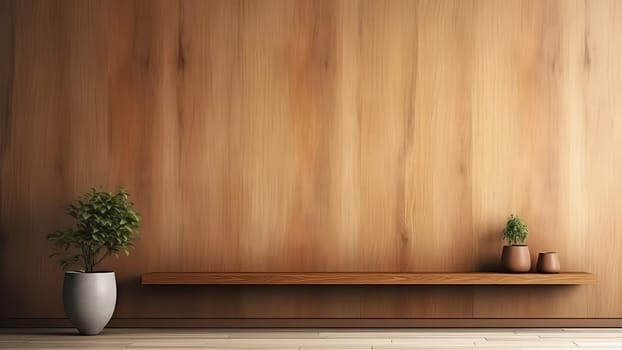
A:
[366,278]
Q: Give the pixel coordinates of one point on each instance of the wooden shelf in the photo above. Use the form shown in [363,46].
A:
[366,278]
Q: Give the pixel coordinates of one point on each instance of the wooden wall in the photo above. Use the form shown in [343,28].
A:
[311,135]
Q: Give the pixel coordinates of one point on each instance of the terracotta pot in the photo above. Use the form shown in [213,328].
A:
[548,262]
[516,258]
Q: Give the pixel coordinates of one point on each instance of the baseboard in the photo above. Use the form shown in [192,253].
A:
[323,322]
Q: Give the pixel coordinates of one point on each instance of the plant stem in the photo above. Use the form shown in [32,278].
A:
[84,258]
[89,254]
[100,259]
[91,259]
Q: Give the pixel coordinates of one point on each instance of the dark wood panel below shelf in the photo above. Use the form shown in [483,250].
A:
[366,278]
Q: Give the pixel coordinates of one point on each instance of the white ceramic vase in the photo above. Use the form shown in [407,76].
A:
[89,299]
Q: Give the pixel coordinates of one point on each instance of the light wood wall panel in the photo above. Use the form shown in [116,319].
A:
[316,135]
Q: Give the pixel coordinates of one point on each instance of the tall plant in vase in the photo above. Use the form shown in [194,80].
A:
[105,225]
[515,256]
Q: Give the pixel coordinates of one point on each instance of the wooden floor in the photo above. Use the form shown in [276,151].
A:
[594,338]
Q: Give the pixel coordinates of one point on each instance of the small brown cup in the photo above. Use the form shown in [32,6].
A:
[548,262]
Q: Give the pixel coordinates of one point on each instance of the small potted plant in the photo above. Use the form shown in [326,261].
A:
[515,256]
[105,225]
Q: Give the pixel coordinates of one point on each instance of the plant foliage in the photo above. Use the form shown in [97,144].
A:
[515,230]
[106,224]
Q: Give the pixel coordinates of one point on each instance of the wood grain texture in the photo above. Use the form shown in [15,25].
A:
[308,339]
[259,323]
[365,278]
[316,136]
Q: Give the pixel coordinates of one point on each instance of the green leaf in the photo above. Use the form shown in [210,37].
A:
[103,220]
[516,230]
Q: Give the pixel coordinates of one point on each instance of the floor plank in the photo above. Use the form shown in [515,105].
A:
[312,339]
